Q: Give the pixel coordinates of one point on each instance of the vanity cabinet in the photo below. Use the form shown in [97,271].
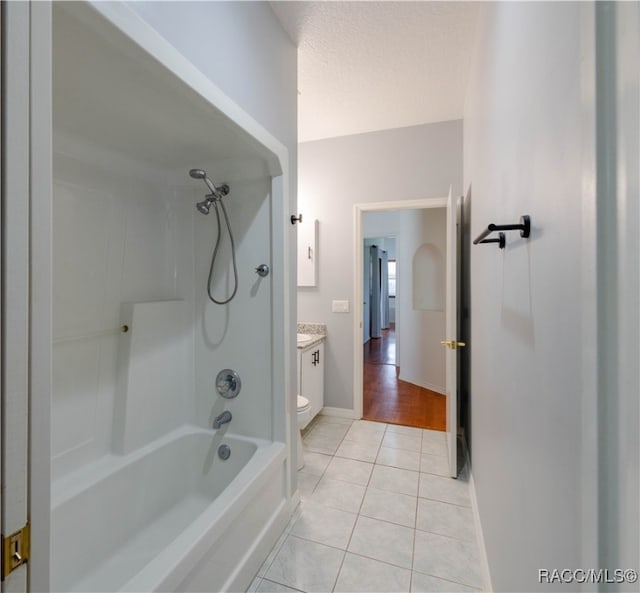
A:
[312,376]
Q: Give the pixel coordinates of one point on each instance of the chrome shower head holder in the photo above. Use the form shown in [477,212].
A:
[217,192]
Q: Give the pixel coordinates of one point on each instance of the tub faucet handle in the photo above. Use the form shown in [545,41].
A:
[228,383]
[223,418]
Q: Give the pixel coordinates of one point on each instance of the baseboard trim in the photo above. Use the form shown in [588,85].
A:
[339,412]
[437,388]
[484,561]
[430,386]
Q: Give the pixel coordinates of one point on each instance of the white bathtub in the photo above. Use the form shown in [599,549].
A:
[170,516]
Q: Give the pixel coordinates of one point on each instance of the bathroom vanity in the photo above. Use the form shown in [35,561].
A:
[311,365]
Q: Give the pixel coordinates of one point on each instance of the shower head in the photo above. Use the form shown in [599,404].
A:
[205,205]
[216,192]
[200,174]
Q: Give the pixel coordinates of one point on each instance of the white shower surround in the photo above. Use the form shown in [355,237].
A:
[126,230]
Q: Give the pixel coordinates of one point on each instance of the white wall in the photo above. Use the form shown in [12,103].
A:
[423,357]
[524,145]
[618,282]
[243,49]
[401,164]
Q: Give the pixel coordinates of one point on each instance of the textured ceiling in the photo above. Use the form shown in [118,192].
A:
[365,66]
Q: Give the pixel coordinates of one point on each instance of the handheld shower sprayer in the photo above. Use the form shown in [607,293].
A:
[212,199]
[217,193]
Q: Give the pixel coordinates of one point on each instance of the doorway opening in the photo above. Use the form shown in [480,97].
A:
[387,267]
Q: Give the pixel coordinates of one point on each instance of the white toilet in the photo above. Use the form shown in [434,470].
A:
[304,417]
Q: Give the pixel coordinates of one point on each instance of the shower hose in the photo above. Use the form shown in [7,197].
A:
[215,254]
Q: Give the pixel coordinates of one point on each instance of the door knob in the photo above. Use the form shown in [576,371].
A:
[453,344]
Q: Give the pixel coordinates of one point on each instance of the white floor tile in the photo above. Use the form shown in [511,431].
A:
[329,430]
[437,436]
[383,541]
[315,463]
[389,506]
[446,519]
[274,551]
[324,525]
[434,464]
[364,575]
[401,441]
[293,519]
[267,586]
[394,530]
[326,419]
[411,431]
[307,484]
[447,558]
[358,450]
[320,444]
[394,479]
[339,495]
[253,587]
[378,427]
[435,448]
[424,583]
[445,489]
[306,565]
[363,434]
[399,458]
[349,470]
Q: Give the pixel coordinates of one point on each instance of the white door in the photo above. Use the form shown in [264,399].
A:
[451,340]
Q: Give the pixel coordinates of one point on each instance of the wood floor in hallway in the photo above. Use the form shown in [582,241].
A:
[388,399]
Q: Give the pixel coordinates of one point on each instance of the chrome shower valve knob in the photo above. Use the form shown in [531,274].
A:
[228,383]
[262,270]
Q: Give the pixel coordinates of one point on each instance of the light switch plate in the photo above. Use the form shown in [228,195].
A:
[340,306]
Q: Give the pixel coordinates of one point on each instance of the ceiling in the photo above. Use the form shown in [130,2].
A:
[365,66]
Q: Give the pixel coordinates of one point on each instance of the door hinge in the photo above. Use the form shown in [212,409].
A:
[15,550]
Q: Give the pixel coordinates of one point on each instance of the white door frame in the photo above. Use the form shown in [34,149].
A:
[358,212]
[26,193]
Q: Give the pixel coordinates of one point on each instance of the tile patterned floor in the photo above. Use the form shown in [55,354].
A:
[378,514]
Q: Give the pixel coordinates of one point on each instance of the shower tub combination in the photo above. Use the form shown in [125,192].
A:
[146,495]
[128,524]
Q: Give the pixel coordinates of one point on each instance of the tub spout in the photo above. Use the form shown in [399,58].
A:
[224,418]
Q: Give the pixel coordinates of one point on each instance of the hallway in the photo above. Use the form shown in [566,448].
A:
[388,399]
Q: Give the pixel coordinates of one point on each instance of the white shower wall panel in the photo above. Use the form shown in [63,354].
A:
[121,233]
[82,410]
[237,335]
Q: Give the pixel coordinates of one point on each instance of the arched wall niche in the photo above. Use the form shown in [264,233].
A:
[428,278]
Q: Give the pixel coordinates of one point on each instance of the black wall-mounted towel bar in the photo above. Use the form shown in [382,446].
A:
[524,227]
